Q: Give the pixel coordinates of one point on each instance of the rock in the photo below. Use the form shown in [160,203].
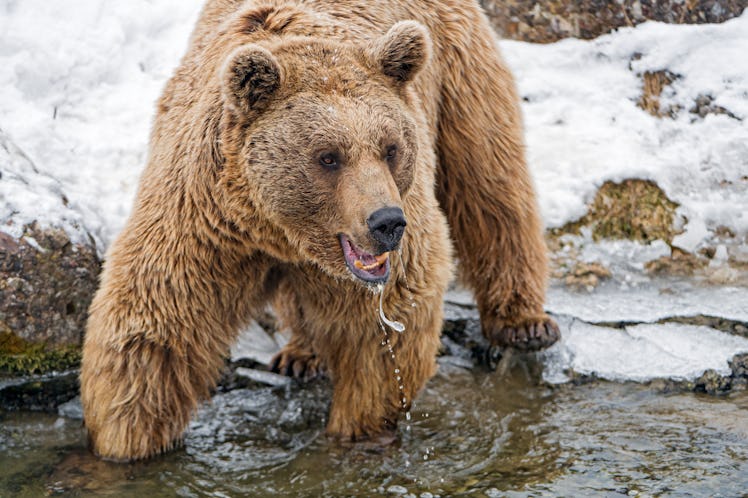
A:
[263,377]
[397,490]
[712,383]
[679,264]
[586,276]
[46,285]
[739,366]
[49,269]
[71,409]
[552,20]
[704,105]
[633,209]
[42,393]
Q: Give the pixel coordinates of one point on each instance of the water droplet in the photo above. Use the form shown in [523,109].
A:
[390,349]
[407,415]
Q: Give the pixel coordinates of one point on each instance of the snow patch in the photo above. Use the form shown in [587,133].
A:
[27,195]
[256,344]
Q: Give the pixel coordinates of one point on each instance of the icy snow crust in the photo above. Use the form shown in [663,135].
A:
[641,352]
[79,81]
[24,189]
[649,303]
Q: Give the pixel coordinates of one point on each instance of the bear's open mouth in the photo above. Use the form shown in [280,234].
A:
[368,267]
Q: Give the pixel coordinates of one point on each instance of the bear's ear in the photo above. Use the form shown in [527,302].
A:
[402,51]
[251,75]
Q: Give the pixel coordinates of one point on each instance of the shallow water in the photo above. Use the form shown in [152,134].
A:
[472,433]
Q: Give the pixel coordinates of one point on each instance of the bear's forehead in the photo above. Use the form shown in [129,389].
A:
[311,114]
[327,67]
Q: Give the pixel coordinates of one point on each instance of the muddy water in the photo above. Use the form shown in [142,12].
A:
[472,433]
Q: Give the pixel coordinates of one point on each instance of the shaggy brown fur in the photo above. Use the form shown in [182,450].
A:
[235,211]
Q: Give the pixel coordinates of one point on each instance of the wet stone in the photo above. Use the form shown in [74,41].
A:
[712,383]
[72,409]
[397,490]
[739,366]
[41,393]
[263,377]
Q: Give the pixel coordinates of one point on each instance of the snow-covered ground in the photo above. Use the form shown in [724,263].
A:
[584,127]
[78,82]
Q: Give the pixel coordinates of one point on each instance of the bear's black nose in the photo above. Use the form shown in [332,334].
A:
[386,226]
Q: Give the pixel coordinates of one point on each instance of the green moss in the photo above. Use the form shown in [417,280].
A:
[18,357]
[633,209]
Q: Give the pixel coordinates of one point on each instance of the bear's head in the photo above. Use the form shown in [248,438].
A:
[323,138]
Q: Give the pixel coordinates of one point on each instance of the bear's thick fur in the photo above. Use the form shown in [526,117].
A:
[287,129]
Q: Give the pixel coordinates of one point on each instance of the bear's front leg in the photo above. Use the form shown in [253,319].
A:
[159,329]
[365,403]
[372,388]
[138,396]
[485,189]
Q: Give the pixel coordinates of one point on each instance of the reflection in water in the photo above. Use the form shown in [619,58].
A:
[471,432]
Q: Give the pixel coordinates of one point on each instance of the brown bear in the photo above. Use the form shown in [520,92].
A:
[312,154]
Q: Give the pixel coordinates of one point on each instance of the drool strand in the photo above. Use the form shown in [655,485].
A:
[393,324]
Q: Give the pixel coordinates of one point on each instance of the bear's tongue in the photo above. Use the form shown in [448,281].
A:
[362,264]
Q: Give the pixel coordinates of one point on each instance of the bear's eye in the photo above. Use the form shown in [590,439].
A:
[328,160]
[391,154]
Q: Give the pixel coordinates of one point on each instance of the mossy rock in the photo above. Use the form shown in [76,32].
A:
[633,210]
[586,276]
[21,357]
[47,282]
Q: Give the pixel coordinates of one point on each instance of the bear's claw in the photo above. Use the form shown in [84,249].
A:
[303,367]
[525,337]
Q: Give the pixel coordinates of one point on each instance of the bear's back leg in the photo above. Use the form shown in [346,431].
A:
[297,358]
